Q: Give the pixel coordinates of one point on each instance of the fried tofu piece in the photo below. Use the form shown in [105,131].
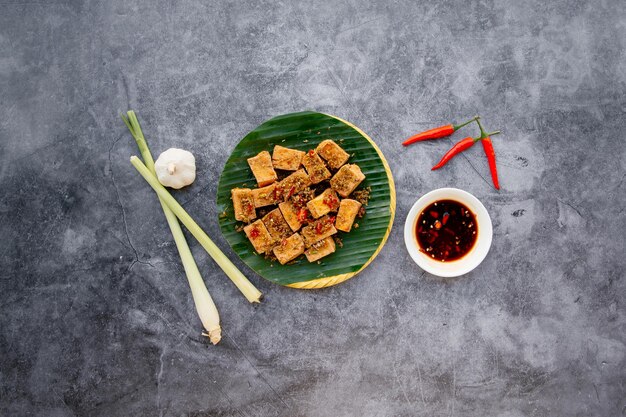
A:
[315,167]
[320,249]
[323,203]
[348,209]
[293,184]
[287,159]
[259,236]
[290,214]
[289,249]
[262,168]
[334,154]
[265,196]
[243,202]
[347,179]
[276,225]
[318,230]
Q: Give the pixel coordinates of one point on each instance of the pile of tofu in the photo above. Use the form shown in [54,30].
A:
[301,222]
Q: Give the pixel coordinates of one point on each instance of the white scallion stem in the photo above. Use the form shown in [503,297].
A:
[205,306]
[249,291]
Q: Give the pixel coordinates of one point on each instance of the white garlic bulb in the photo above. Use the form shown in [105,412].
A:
[175,168]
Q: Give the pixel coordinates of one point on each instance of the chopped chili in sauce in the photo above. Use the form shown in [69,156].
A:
[254,233]
[446,230]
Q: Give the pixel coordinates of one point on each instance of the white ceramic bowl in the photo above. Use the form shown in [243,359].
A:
[468,262]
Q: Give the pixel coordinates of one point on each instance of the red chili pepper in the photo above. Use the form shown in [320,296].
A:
[254,233]
[491,158]
[459,147]
[436,133]
[318,228]
[278,193]
[491,155]
[303,215]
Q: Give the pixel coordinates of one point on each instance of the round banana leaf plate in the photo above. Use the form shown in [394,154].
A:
[305,131]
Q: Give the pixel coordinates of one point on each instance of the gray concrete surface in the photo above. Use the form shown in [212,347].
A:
[95,315]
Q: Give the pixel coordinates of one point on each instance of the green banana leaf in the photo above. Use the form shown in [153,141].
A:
[305,131]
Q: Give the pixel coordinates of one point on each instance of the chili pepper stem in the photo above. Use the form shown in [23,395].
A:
[474,119]
[486,135]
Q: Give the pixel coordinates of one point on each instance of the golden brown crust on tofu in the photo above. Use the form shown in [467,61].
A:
[318,230]
[276,225]
[265,196]
[320,249]
[323,203]
[243,203]
[289,248]
[315,167]
[287,159]
[259,236]
[347,179]
[293,184]
[290,214]
[262,168]
[348,209]
[334,154]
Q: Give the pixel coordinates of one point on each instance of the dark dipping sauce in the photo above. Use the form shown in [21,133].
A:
[446,230]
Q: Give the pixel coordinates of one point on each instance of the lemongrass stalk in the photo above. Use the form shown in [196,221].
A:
[205,306]
[249,291]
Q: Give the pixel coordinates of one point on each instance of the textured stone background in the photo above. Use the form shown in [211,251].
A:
[95,315]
